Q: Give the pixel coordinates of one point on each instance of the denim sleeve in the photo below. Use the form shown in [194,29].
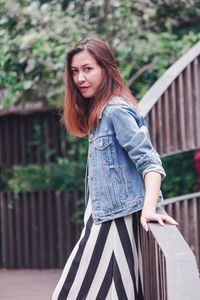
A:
[132,134]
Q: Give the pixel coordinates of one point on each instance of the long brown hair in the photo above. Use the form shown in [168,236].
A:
[80,114]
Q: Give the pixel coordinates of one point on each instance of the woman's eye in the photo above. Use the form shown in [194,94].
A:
[88,68]
[74,71]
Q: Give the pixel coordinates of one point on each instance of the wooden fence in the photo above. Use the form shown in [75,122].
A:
[186,210]
[172,106]
[33,137]
[38,229]
[169,266]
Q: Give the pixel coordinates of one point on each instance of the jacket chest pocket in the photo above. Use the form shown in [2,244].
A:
[104,150]
[103,142]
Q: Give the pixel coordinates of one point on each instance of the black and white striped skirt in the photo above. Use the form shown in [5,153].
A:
[105,263]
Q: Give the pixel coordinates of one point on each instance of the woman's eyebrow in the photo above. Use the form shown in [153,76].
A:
[82,65]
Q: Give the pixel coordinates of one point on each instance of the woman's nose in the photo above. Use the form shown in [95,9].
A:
[81,77]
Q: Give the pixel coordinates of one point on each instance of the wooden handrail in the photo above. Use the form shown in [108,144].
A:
[172,106]
[180,198]
[186,210]
[170,270]
[172,111]
[160,86]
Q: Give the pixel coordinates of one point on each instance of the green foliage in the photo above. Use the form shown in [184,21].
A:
[65,173]
[181,176]
[35,36]
[33,44]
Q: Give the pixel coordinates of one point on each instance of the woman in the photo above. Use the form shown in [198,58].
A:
[124,174]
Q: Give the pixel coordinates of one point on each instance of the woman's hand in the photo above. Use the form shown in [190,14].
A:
[151,216]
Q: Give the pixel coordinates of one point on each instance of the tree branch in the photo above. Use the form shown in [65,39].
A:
[139,72]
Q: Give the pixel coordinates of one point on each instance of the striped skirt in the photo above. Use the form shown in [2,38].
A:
[105,263]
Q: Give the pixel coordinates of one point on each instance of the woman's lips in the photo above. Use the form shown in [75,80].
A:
[84,88]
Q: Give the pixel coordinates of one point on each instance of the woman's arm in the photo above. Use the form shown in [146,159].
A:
[152,188]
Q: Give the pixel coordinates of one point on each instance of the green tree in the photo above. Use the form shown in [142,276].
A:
[35,36]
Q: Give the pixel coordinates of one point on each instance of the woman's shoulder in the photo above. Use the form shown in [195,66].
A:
[117,103]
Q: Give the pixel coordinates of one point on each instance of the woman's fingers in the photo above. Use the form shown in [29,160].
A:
[144,223]
[160,220]
[145,218]
[169,219]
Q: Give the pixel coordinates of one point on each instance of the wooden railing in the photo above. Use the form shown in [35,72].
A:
[172,111]
[169,266]
[38,229]
[172,106]
[33,137]
[186,210]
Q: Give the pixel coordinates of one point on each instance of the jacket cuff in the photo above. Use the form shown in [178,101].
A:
[155,168]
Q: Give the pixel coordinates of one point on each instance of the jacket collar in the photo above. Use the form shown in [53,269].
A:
[113,98]
[100,116]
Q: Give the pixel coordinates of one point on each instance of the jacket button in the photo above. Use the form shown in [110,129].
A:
[90,154]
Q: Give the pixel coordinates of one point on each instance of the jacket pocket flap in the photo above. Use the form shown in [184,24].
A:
[103,142]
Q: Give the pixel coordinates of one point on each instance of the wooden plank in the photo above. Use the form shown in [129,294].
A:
[15,137]
[1,142]
[153,126]
[30,136]
[173,117]
[11,233]
[42,230]
[194,230]
[23,141]
[56,124]
[39,147]
[60,230]
[26,229]
[46,140]
[181,113]
[160,126]
[177,213]
[3,228]
[189,108]
[166,115]
[69,244]
[157,272]
[76,214]
[196,97]
[19,235]
[190,225]
[7,144]
[51,230]
[184,227]
[34,229]
[198,222]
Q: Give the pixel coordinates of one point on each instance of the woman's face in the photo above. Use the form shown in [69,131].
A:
[87,74]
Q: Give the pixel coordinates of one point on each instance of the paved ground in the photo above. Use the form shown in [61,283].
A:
[28,284]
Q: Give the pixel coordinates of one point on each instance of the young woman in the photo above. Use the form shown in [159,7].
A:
[124,174]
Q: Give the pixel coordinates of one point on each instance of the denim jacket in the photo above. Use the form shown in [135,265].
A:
[120,154]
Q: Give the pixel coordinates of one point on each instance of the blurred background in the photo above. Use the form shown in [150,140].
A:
[36,153]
